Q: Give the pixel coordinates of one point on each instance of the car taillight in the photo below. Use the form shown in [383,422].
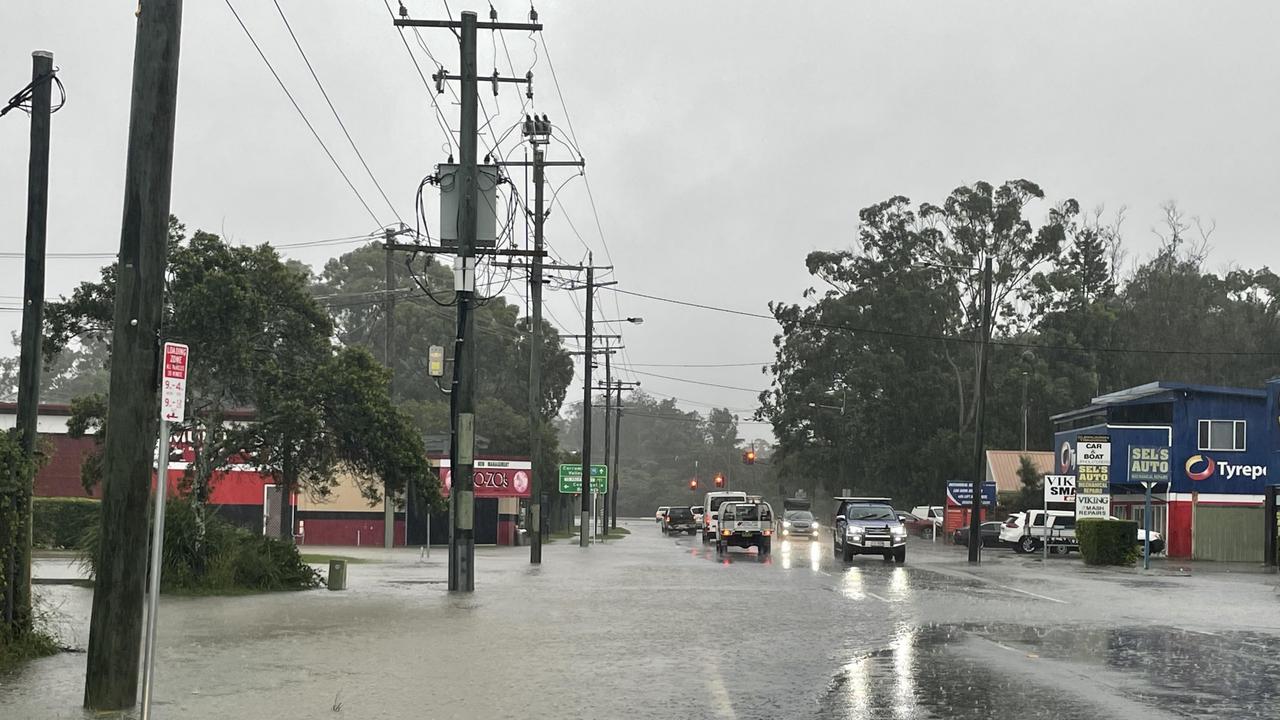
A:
[668,519]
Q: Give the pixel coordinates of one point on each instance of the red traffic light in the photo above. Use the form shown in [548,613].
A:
[693,484]
[719,480]
[749,457]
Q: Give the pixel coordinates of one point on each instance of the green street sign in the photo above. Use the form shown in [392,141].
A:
[571,479]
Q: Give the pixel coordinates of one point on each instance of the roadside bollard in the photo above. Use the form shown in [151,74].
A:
[337,574]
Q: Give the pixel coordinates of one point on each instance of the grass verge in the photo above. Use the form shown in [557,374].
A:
[26,647]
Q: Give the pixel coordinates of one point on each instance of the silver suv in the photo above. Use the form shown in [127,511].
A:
[868,526]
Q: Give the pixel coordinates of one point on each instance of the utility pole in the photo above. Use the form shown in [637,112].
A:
[615,480]
[608,402]
[587,360]
[980,421]
[17,588]
[111,668]
[462,395]
[388,353]
[462,545]
[536,520]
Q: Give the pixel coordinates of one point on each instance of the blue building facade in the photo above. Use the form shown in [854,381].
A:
[1224,449]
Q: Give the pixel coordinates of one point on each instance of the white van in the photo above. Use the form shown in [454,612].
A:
[711,509]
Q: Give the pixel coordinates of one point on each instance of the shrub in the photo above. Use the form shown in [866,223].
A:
[226,559]
[60,523]
[1108,542]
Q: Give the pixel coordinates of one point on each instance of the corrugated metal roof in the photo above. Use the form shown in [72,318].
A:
[1002,467]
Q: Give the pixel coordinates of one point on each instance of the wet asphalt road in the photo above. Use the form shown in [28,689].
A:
[657,627]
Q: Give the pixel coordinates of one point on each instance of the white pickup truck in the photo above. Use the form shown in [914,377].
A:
[744,524]
[1025,532]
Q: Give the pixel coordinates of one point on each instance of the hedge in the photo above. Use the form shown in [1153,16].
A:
[59,523]
[1108,542]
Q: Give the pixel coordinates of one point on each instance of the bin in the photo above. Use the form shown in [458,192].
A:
[337,574]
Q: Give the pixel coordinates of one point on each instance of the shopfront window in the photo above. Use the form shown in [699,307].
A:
[1222,435]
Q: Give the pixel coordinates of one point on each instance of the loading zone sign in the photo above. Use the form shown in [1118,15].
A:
[1059,489]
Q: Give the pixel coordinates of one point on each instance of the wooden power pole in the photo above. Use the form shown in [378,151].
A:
[17,589]
[111,670]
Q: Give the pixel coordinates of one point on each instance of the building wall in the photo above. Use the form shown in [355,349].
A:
[1228,533]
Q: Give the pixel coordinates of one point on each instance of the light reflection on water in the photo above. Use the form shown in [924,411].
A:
[800,554]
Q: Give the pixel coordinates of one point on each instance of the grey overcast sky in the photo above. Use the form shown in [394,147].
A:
[724,140]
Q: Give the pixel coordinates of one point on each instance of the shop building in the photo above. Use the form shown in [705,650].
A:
[1222,453]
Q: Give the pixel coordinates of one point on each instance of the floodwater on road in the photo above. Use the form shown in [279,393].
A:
[652,626]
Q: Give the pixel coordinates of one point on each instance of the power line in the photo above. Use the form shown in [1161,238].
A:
[701,365]
[441,120]
[946,338]
[301,114]
[334,110]
[698,382]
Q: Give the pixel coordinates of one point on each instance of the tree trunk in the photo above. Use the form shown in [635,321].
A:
[287,481]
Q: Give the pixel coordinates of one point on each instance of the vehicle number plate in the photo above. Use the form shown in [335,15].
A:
[749,533]
[877,543]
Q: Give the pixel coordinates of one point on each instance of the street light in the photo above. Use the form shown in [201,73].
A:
[632,320]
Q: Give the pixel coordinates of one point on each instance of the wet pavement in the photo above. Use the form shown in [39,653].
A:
[651,626]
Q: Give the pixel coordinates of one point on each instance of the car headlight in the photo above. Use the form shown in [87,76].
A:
[898,532]
[786,523]
[814,525]
[854,531]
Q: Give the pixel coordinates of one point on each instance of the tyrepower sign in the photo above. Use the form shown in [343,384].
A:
[173,383]
[492,478]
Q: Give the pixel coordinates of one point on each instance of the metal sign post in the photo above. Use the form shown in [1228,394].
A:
[1146,527]
[1059,489]
[173,405]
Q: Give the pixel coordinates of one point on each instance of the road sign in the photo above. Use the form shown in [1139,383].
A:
[571,478]
[960,494]
[173,383]
[1059,489]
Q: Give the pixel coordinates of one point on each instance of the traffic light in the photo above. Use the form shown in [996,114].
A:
[693,484]
[719,480]
[749,457]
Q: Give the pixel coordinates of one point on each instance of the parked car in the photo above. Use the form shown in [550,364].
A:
[1025,532]
[679,519]
[657,517]
[745,523]
[928,520]
[797,525]
[990,533]
[865,526]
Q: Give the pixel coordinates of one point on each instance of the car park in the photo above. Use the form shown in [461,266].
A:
[868,526]
[797,525]
[745,524]
[679,519]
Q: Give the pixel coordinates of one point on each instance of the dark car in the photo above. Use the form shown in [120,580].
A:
[679,519]
[798,525]
[868,526]
[990,535]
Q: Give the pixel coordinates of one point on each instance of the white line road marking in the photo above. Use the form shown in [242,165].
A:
[1036,595]
[883,600]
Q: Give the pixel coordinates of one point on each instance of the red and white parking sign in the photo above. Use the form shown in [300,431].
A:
[173,383]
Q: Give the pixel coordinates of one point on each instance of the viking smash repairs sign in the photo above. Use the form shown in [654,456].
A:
[1093,506]
[1059,489]
[493,478]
